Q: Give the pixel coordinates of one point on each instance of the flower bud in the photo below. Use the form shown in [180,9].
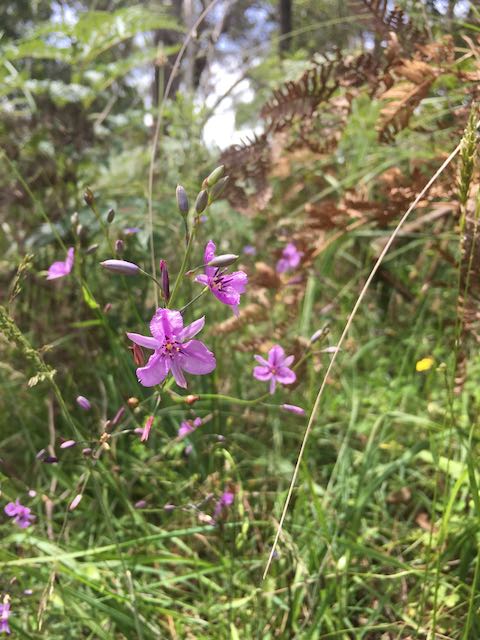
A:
[133,402]
[138,355]
[121,266]
[191,399]
[225,260]
[75,502]
[165,280]
[87,452]
[292,408]
[68,444]
[74,219]
[119,246]
[214,177]
[182,200]
[202,201]
[92,249]
[321,333]
[110,215]
[84,403]
[89,197]
[118,416]
[140,504]
[218,189]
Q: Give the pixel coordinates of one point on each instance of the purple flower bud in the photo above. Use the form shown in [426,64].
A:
[118,416]
[169,507]
[68,444]
[224,260]
[182,200]
[165,280]
[319,334]
[87,452]
[121,266]
[202,201]
[141,504]
[50,460]
[119,246]
[292,408]
[83,403]
[75,502]
[41,454]
[110,215]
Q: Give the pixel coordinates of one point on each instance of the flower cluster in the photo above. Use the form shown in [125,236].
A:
[22,516]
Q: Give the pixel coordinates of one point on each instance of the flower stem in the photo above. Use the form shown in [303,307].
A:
[183,267]
[204,290]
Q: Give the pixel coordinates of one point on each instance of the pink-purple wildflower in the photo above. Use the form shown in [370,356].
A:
[22,516]
[4,616]
[276,368]
[188,426]
[61,268]
[223,503]
[249,250]
[290,258]
[226,287]
[174,350]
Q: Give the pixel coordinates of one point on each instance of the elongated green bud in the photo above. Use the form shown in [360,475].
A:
[218,188]
[182,200]
[214,177]
[202,201]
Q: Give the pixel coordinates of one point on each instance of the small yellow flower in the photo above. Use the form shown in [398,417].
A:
[424,364]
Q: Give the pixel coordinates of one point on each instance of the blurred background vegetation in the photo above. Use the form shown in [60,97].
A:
[330,117]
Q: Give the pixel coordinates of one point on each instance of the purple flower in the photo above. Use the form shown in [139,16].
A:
[292,408]
[173,349]
[130,231]
[276,369]
[249,250]
[22,515]
[83,403]
[225,501]
[4,615]
[188,426]
[227,287]
[290,258]
[60,269]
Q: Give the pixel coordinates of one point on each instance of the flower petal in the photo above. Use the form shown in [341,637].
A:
[288,361]
[191,330]
[285,375]
[272,385]
[11,509]
[238,281]
[276,356]
[166,322]
[144,341]
[203,279]
[209,254]
[197,359]
[177,372]
[262,361]
[262,373]
[154,372]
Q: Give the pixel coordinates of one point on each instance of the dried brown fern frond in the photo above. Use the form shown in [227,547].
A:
[401,101]
[384,19]
[248,165]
